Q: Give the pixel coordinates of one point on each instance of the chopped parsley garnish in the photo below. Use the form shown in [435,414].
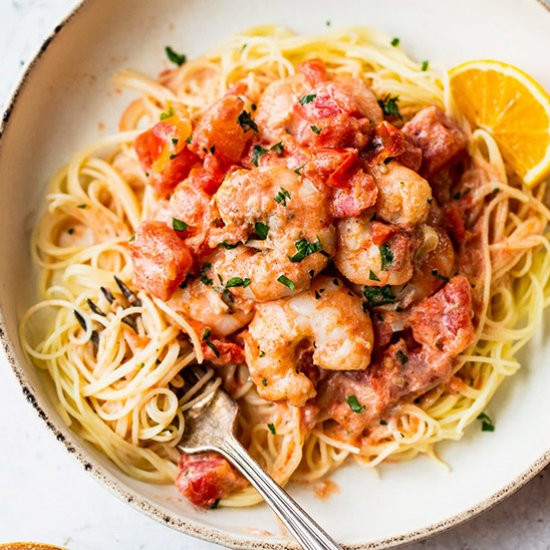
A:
[206,339]
[457,195]
[372,276]
[177,58]
[328,23]
[389,106]
[175,141]
[189,139]
[179,225]
[305,248]
[315,129]
[395,42]
[272,429]
[237,281]
[287,282]
[379,295]
[386,256]
[169,113]
[262,354]
[495,190]
[351,400]
[81,206]
[438,275]
[402,357]
[246,122]
[278,149]
[487,424]
[282,196]
[257,152]
[429,201]
[261,230]
[264,381]
[383,422]
[299,170]
[305,99]
[205,279]
[425,65]
[372,217]
[227,246]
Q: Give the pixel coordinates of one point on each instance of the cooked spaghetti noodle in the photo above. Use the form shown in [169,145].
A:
[116,357]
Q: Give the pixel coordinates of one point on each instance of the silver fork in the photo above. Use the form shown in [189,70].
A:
[210,426]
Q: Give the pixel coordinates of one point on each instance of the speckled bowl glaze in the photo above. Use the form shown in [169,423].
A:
[66,99]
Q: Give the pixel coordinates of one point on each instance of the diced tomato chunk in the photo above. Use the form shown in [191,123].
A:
[343,174]
[360,194]
[219,133]
[164,156]
[314,70]
[443,322]
[205,478]
[381,232]
[222,352]
[439,137]
[161,259]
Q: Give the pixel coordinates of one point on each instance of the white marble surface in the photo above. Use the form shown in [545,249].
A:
[45,495]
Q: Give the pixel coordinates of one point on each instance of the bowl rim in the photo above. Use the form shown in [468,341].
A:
[101,474]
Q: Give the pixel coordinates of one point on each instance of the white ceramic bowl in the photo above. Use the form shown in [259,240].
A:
[67,92]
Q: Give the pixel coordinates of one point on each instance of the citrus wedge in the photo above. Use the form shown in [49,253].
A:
[512,107]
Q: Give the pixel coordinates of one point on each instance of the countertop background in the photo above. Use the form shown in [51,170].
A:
[46,496]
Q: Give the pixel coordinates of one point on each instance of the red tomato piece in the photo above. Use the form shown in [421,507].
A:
[166,160]
[314,70]
[443,322]
[161,260]
[356,198]
[205,478]
[226,353]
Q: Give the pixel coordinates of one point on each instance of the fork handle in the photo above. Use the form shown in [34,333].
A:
[301,525]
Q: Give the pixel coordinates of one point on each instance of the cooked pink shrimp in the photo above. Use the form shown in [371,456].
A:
[328,318]
[372,253]
[403,196]
[286,224]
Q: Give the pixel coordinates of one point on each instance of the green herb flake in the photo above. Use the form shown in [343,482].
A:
[206,339]
[328,23]
[130,240]
[395,42]
[169,113]
[372,276]
[351,400]
[177,58]
[383,422]
[205,279]
[287,282]
[82,206]
[189,140]
[305,248]
[425,65]
[379,295]
[386,256]
[315,129]
[246,122]
[403,359]
[299,170]
[261,230]
[272,429]
[179,225]
[278,149]
[237,281]
[282,196]
[305,99]
[257,152]
[438,275]
[429,201]
[457,195]
[487,425]
[227,246]
[389,106]
[175,142]
[262,354]
[264,381]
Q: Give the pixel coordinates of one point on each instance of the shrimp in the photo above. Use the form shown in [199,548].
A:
[205,304]
[318,109]
[294,236]
[373,253]
[404,197]
[328,317]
